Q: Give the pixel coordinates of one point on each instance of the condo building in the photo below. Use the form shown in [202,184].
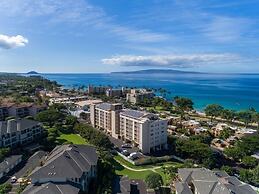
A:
[20,110]
[145,130]
[97,89]
[105,116]
[136,96]
[19,131]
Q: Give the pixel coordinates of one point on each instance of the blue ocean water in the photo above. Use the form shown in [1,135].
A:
[233,91]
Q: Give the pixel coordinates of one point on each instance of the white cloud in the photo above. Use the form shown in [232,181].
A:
[9,42]
[175,61]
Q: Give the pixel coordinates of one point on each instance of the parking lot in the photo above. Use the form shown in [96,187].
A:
[126,149]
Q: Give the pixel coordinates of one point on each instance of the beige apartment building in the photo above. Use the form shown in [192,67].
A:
[105,116]
[145,130]
[136,96]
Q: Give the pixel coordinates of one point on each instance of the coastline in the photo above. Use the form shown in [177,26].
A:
[233,92]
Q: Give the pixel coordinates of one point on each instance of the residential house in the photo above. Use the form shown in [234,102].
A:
[69,166]
[205,181]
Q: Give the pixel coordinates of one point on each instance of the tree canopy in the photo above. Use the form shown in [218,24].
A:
[154,180]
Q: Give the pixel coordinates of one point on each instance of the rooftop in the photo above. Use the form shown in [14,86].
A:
[23,124]
[8,162]
[51,188]
[75,159]
[214,182]
[138,114]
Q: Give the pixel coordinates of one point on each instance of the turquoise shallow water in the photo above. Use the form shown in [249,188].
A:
[233,91]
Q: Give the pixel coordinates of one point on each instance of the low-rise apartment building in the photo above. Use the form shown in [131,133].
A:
[205,181]
[19,131]
[145,130]
[67,167]
[136,96]
[20,110]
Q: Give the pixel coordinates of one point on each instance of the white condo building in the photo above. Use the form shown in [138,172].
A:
[145,130]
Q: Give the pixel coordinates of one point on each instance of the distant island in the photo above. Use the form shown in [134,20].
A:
[156,71]
[32,72]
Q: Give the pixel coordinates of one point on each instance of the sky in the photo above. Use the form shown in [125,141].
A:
[86,36]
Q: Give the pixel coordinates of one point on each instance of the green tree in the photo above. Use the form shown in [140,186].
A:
[228,169]
[255,173]
[3,153]
[246,175]
[183,104]
[154,180]
[235,153]
[50,116]
[255,118]
[226,133]
[249,161]
[245,116]
[5,188]
[213,110]
[229,115]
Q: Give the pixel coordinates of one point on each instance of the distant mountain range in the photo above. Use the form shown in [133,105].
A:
[32,72]
[158,71]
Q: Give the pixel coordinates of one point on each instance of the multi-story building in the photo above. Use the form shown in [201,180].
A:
[145,130]
[20,110]
[117,92]
[105,116]
[4,113]
[19,131]
[114,92]
[136,96]
[97,89]
[68,167]
[205,181]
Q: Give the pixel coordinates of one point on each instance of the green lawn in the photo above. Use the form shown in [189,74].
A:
[120,170]
[74,138]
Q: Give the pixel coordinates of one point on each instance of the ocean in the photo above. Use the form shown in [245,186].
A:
[233,91]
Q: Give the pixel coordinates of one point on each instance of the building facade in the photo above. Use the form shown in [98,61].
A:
[19,131]
[20,110]
[97,89]
[145,130]
[105,116]
[136,96]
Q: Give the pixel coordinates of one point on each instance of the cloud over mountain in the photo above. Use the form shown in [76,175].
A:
[178,61]
[9,42]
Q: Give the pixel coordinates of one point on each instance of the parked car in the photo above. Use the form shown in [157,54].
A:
[126,145]
[133,156]
[13,179]
[125,152]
